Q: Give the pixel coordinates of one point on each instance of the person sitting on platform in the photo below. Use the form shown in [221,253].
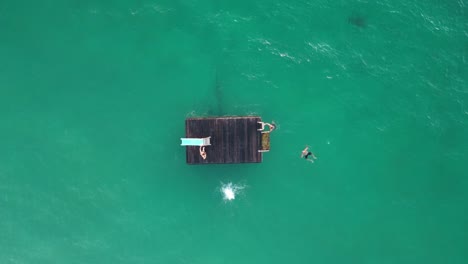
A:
[272,126]
[203,152]
[306,153]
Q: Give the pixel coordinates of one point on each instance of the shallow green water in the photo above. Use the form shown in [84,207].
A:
[93,97]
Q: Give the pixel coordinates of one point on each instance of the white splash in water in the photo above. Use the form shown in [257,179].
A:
[230,191]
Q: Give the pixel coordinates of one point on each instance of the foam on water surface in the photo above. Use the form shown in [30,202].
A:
[229,191]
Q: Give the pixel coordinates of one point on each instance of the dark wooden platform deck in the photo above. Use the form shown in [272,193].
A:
[233,139]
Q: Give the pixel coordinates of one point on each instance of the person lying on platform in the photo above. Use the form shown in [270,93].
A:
[203,152]
[306,153]
[272,126]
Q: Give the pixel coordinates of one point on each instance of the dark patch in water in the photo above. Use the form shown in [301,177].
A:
[357,20]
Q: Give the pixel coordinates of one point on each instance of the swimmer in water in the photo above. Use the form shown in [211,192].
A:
[306,154]
[272,126]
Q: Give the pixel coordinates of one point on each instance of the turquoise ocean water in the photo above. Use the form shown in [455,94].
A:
[94,94]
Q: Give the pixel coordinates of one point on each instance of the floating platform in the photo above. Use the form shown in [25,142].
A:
[232,140]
